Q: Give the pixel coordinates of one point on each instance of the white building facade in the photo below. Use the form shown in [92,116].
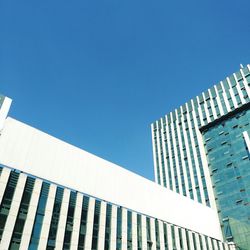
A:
[56,196]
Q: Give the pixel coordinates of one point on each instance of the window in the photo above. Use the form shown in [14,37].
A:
[96,224]
[70,220]
[7,200]
[83,223]
[22,214]
[35,236]
[55,219]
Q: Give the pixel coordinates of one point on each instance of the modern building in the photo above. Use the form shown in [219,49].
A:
[56,196]
[202,151]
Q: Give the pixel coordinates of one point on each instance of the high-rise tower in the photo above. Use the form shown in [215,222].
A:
[201,150]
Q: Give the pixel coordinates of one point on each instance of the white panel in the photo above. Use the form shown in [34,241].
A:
[39,154]
[47,218]
[102,222]
[170,241]
[191,149]
[243,101]
[220,245]
[184,165]
[191,241]
[27,230]
[177,165]
[166,167]
[247,140]
[232,246]
[4,110]
[219,101]
[3,181]
[161,235]
[11,219]
[197,167]
[76,222]
[233,98]
[154,152]
[206,174]
[245,84]
[124,228]
[212,104]
[159,155]
[177,238]
[206,108]
[204,242]
[209,243]
[199,111]
[226,246]
[152,233]
[134,231]
[186,125]
[197,240]
[62,219]
[184,239]
[231,92]
[215,244]
[113,228]
[144,232]
[170,156]
[89,224]
[225,97]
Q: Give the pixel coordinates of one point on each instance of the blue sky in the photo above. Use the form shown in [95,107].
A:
[97,73]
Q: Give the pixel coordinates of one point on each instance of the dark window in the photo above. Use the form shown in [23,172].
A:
[82,233]
[22,214]
[55,219]
[108,226]
[96,225]
[40,212]
[7,200]
[70,220]
[129,230]
[139,234]
[119,229]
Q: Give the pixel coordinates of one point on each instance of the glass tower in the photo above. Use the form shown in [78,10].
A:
[201,150]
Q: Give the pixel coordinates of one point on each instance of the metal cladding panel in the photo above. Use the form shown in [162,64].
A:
[37,153]
[5,103]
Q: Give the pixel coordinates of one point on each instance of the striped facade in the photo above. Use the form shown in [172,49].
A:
[180,156]
[38,214]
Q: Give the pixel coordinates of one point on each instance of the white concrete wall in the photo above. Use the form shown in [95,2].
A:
[37,153]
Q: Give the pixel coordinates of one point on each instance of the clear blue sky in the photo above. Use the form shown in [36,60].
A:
[97,73]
